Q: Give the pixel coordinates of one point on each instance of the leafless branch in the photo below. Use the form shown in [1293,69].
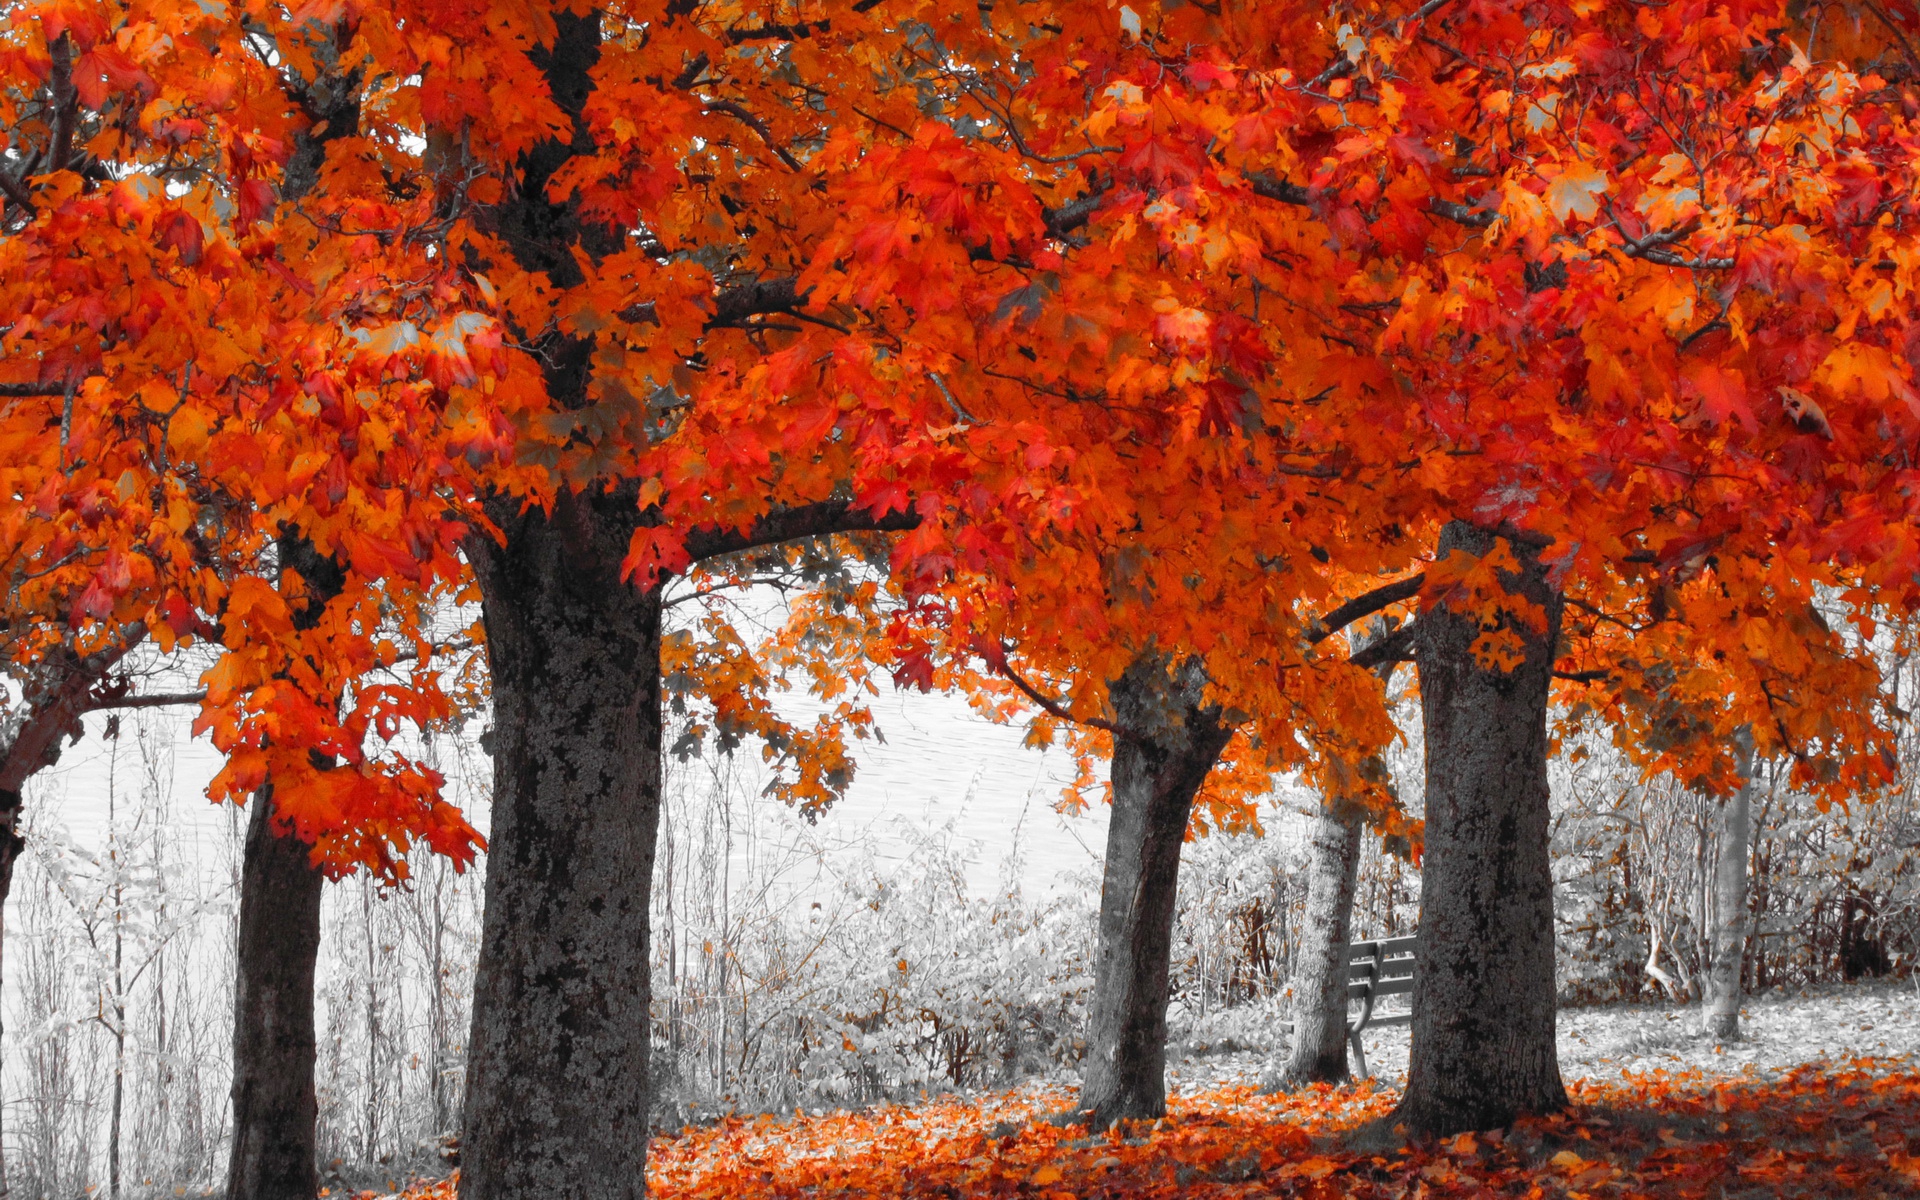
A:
[155,700]
[1364,606]
[1053,707]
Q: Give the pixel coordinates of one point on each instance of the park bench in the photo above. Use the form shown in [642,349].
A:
[1383,967]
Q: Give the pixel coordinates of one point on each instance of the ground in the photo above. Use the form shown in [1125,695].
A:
[1822,1101]
[1782,1030]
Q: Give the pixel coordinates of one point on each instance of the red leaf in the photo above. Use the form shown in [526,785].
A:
[182,233]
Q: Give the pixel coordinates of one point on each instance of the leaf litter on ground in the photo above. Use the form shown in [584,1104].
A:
[1656,1112]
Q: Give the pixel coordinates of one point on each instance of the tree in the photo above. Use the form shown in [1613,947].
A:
[1153,335]
[1317,1047]
[1483,999]
[1166,741]
[1732,844]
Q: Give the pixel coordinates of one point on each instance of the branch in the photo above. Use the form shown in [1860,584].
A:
[754,123]
[54,713]
[156,700]
[1364,606]
[1596,676]
[789,525]
[733,305]
[783,33]
[65,103]
[35,390]
[1396,647]
[1273,188]
[1651,249]
[1054,707]
[16,191]
[1074,214]
[1461,214]
[946,393]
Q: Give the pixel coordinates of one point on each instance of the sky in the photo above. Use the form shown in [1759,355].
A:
[940,764]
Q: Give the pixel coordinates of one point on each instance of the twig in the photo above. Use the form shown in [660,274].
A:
[1053,707]
[946,393]
[66,424]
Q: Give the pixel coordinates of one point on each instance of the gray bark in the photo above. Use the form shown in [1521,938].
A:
[1317,1050]
[1483,1048]
[1732,838]
[1168,743]
[274,1154]
[557,1078]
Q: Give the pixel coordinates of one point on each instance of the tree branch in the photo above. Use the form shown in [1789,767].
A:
[1073,214]
[1364,606]
[54,713]
[1053,707]
[65,103]
[792,524]
[783,33]
[729,108]
[16,191]
[1272,188]
[156,700]
[732,305]
[1396,647]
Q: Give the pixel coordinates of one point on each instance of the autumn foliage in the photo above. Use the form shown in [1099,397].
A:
[1171,327]
[1842,1131]
[1159,337]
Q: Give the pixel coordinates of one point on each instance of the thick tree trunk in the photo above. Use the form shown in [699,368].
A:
[1732,837]
[557,1079]
[1483,999]
[274,1155]
[1317,1051]
[1169,744]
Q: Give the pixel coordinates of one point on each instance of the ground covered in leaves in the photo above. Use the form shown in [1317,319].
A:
[1799,1110]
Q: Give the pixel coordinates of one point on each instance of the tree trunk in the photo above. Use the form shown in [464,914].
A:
[1317,1052]
[1167,745]
[11,844]
[274,1154]
[557,1079]
[1483,999]
[1731,843]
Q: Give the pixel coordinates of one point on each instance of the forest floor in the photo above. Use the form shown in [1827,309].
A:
[1822,1100]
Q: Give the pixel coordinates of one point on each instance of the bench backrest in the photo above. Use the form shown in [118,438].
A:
[1383,967]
